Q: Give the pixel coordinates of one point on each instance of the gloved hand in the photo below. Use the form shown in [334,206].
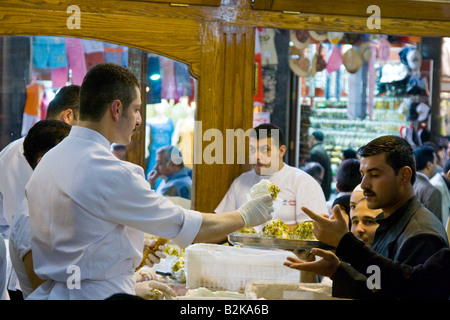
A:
[154,290]
[145,274]
[151,258]
[257,211]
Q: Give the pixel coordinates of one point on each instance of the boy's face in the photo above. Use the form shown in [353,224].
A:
[363,223]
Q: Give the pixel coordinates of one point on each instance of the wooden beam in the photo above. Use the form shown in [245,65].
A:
[215,3]
[398,9]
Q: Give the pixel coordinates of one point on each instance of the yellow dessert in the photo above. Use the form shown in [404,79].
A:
[276,229]
[247,230]
[304,231]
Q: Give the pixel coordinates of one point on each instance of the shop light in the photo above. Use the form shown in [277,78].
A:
[155,77]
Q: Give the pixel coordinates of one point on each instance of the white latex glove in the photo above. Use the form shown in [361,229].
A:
[257,211]
[154,290]
[151,258]
[145,274]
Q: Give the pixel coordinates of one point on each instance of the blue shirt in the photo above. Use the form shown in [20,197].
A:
[178,184]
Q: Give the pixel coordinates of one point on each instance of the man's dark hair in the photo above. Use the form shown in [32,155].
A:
[265,131]
[43,136]
[103,84]
[422,155]
[318,135]
[314,169]
[349,153]
[67,98]
[348,175]
[398,151]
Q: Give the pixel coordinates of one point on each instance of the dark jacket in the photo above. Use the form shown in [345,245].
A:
[410,236]
[319,154]
[430,280]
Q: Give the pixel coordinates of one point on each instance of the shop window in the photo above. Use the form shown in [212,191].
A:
[171,104]
[352,87]
[34,68]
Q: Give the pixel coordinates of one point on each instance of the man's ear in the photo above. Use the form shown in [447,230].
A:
[116,109]
[282,151]
[67,116]
[405,174]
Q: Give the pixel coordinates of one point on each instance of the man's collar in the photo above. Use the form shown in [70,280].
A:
[177,174]
[422,175]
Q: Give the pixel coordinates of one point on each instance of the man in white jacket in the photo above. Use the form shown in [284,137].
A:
[297,188]
[15,170]
[89,210]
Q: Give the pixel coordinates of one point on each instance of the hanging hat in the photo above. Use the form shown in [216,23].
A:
[335,60]
[314,64]
[351,38]
[300,66]
[402,54]
[335,37]
[399,72]
[319,35]
[384,50]
[300,38]
[423,111]
[365,51]
[320,64]
[352,60]
[386,73]
[294,51]
[414,59]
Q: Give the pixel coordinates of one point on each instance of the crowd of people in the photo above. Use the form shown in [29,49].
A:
[69,199]
[389,226]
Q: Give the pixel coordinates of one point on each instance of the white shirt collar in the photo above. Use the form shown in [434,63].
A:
[89,134]
[423,175]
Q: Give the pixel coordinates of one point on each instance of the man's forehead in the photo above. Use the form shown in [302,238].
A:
[160,155]
[138,96]
[261,141]
[377,160]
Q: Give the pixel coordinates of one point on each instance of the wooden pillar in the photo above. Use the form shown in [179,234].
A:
[138,64]
[431,49]
[225,101]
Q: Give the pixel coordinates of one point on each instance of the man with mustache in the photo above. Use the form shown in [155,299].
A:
[408,233]
[297,188]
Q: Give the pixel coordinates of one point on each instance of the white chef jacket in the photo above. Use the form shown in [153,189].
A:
[3,266]
[20,245]
[297,189]
[90,210]
[14,175]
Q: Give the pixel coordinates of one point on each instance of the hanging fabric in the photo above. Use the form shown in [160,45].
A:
[258,97]
[32,110]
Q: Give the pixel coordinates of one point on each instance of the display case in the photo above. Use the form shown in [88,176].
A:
[332,118]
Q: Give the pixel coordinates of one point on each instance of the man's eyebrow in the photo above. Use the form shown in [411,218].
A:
[364,217]
[355,203]
[370,170]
